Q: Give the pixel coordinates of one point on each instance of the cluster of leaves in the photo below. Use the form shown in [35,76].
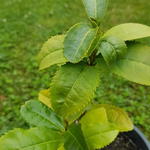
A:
[50,131]
[23,29]
[84,54]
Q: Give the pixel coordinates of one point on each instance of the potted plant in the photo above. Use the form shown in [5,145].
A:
[66,117]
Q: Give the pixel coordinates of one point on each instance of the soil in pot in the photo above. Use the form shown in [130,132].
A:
[122,142]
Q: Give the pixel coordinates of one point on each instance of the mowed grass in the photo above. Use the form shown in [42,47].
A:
[26,24]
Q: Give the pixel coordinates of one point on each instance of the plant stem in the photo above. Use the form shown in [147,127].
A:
[66,125]
[92,58]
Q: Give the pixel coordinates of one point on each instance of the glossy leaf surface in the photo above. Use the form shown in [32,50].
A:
[38,114]
[79,41]
[97,130]
[96,9]
[44,97]
[135,65]
[32,139]
[73,88]
[74,139]
[112,48]
[129,31]
[52,52]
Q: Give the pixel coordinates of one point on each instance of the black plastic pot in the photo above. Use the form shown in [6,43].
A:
[139,139]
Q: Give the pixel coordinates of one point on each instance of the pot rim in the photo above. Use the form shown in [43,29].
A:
[139,138]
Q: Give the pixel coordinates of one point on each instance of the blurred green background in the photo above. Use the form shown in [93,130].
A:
[26,24]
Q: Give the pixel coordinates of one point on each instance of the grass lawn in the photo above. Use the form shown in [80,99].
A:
[26,24]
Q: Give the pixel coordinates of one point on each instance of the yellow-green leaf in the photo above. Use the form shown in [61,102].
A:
[129,31]
[53,58]
[98,132]
[53,43]
[35,138]
[52,52]
[44,97]
[118,117]
[61,147]
[79,42]
[135,65]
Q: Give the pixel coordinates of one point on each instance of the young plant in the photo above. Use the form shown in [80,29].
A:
[66,118]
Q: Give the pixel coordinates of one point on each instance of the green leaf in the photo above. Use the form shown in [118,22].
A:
[32,139]
[44,97]
[112,48]
[38,114]
[96,9]
[52,52]
[74,139]
[135,65]
[98,132]
[79,41]
[118,117]
[53,58]
[102,66]
[61,147]
[52,44]
[73,89]
[129,31]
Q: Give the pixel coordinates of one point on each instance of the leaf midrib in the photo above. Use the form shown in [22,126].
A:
[82,70]
[45,142]
[74,84]
[75,54]
[43,117]
[75,139]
